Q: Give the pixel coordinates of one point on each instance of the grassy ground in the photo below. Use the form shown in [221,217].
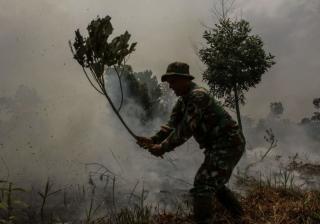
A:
[262,205]
[271,201]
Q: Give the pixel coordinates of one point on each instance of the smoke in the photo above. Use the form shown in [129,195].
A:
[39,141]
[52,123]
[33,148]
[294,142]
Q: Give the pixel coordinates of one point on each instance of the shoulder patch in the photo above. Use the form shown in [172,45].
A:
[199,92]
[200,96]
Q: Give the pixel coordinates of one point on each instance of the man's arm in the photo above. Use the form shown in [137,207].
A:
[197,106]
[164,132]
[181,125]
[176,138]
[175,117]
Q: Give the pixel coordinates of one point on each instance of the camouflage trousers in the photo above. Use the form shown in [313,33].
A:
[220,160]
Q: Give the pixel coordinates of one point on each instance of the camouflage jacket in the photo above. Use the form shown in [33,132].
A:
[196,114]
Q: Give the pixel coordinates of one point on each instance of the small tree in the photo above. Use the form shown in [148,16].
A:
[95,54]
[316,115]
[276,109]
[235,61]
[141,87]
[316,103]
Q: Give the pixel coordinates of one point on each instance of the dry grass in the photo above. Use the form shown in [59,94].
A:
[305,168]
[281,206]
[262,205]
[268,200]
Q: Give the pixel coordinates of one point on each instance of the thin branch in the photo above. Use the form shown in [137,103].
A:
[273,144]
[7,168]
[180,180]
[229,7]
[116,159]
[121,102]
[113,191]
[133,190]
[91,81]
[94,75]
[216,12]
[223,9]
[101,166]
[119,116]
[87,76]
[70,45]
[102,78]
[104,92]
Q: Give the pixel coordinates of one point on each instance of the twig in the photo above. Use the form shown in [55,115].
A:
[121,90]
[133,190]
[89,213]
[270,138]
[100,167]
[45,195]
[7,168]
[116,159]
[117,113]
[113,192]
[84,70]
[180,180]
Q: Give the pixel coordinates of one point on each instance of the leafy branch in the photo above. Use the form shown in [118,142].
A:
[95,54]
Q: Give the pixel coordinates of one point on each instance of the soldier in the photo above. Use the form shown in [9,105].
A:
[198,114]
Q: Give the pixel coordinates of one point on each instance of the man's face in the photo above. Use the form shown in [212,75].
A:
[180,86]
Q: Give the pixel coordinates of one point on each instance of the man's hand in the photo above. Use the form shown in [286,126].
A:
[156,150]
[147,143]
[144,142]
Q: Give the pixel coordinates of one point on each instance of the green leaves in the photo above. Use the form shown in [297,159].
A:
[233,57]
[96,52]
[235,61]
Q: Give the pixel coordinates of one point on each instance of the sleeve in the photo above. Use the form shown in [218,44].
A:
[165,130]
[177,137]
[197,105]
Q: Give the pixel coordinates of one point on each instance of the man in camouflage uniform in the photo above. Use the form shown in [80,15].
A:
[197,114]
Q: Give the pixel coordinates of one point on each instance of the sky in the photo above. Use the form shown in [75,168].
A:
[34,53]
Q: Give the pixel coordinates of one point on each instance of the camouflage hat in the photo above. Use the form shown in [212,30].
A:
[178,70]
